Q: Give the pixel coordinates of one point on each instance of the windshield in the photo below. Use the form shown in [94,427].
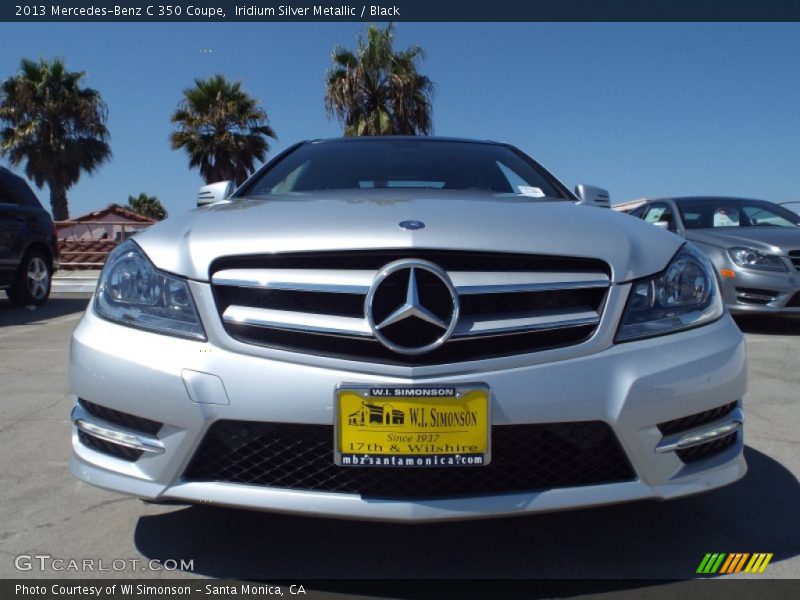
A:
[792,206]
[725,212]
[371,163]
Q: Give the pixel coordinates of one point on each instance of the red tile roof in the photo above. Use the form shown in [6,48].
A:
[115,209]
[84,251]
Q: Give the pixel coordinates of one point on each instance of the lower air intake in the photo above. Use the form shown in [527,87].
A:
[524,458]
[120,418]
[697,419]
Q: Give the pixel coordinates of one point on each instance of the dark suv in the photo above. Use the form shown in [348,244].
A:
[28,252]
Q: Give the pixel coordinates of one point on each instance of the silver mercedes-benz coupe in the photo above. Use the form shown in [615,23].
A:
[754,246]
[406,329]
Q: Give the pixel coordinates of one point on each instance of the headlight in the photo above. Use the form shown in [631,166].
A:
[132,292]
[755,259]
[685,295]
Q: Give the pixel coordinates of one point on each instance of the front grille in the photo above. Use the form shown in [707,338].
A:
[115,450]
[268,300]
[122,419]
[703,451]
[696,420]
[300,457]
[794,256]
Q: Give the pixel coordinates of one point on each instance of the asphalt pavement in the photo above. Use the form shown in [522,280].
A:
[46,511]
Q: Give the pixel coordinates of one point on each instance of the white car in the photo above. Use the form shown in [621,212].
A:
[406,329]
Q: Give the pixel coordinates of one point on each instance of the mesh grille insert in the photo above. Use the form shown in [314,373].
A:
[696,420]
[524,458]
[120,418]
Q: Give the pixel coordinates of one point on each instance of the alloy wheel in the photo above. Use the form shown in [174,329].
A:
[38,278]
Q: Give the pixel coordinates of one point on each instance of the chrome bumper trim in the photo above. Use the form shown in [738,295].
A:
[121,438]
[702,435]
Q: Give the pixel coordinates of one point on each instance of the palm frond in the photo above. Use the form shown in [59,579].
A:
[54,125]
[375,90]
[223,129]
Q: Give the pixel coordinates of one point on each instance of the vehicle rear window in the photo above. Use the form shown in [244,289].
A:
[406,163]
[14,190]
[8,195]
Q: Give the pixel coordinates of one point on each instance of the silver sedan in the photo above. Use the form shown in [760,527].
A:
[754,245]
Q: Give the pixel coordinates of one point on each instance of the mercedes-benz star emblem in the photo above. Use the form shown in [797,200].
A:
[412,225]
[412,306]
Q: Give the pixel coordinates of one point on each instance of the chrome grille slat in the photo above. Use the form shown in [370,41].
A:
[359,281]
[511,288]
[449,260]
[296,321]
[485,282]
[494,325]
[357,327]
[305,280]
[510,304]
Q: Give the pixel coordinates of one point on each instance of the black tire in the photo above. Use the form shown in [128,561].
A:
[33,280]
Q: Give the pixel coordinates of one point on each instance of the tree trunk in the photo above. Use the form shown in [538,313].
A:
[58,201]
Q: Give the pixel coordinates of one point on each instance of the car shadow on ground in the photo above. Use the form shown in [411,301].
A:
[11,314]
[769,324]
[642,540]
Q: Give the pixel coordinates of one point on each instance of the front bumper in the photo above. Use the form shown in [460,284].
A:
[753,291]
[189,385]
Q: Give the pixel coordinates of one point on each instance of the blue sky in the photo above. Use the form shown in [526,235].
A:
[642,109]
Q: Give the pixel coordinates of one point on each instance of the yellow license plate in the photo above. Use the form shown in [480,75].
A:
[412,426]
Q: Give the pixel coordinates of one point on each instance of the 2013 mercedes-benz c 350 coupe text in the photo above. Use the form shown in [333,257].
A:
[406,329]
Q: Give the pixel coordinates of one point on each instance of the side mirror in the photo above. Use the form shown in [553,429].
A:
[214,192]
[592,196]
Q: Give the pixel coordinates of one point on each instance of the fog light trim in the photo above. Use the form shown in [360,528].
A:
[700,436]
[121,438]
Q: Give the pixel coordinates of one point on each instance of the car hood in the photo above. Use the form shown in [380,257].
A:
[774,240]
[366,219]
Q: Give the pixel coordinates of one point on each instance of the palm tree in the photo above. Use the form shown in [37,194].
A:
[55,125]
[375,90]
[222,128]
[148,206]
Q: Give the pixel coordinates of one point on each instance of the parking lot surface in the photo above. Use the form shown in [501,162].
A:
[46,511]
